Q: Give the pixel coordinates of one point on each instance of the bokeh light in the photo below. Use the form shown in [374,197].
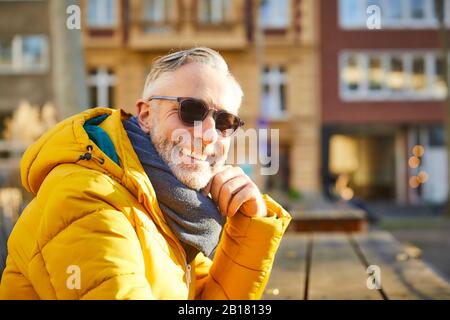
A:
[347,193]
[413,162]
[422,176]
[418,150]
[414,182]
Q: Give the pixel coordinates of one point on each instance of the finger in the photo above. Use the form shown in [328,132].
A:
[207,189]
[240,198]
[230,188]
[222,177]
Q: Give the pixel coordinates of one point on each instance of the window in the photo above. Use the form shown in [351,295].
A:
[396,76]
[439,87]
[157,11]
[273,100]
[157,15]
[5,52]
[32,51]
[436,136]
[214,11]
[102,13]
[394,10]
[418,78]
[378,75]
[280,180]
[275,14]
[395,14]
[372,3]
[24,53]
[352,13]
[418,9]
[101,87]
[351,74]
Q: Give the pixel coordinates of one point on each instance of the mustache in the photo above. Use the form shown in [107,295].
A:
[210,153]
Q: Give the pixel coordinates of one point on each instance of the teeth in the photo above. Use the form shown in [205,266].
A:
[196,156]
[203,158]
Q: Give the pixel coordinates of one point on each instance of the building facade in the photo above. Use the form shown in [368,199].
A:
[270,46]
[41,75]
[382,98]
[25,66]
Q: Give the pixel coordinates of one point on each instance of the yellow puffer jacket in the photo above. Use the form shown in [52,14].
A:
[95,231]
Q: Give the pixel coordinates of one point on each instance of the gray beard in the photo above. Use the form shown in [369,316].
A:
[194,176]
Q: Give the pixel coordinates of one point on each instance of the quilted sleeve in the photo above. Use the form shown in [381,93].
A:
[244,258]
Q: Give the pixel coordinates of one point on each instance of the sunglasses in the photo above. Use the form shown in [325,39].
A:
[191,110]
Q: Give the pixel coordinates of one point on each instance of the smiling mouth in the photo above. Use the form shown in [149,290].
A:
[198,158]
[195,156]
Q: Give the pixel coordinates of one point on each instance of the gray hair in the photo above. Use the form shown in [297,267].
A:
[176,60]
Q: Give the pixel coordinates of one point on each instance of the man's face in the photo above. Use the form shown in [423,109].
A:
[196,153]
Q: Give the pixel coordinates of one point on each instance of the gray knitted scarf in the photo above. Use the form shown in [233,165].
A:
[192,217]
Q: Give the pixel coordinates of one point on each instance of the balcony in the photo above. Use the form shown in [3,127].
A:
[187,23]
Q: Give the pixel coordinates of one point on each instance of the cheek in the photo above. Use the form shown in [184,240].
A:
[170,127]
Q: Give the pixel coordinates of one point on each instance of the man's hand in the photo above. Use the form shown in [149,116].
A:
[232,191]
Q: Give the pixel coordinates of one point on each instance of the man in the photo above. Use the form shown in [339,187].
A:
[143,207]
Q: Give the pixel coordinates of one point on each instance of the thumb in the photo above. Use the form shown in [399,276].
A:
[207,189]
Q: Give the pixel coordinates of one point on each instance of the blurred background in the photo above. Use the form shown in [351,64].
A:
[359,96]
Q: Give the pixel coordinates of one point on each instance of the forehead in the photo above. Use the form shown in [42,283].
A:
[203,82]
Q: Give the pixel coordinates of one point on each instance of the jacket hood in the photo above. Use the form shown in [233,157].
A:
[69,143]
[65,143]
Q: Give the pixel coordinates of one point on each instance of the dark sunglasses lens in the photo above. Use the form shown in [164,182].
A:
[226,123]
[192,110]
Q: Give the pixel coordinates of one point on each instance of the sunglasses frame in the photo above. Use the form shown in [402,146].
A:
[216,112]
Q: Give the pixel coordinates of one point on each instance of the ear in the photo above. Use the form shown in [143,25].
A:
[143,114]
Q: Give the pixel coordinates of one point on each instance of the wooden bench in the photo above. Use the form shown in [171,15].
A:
[351,220]
[334,266]
[317,214]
